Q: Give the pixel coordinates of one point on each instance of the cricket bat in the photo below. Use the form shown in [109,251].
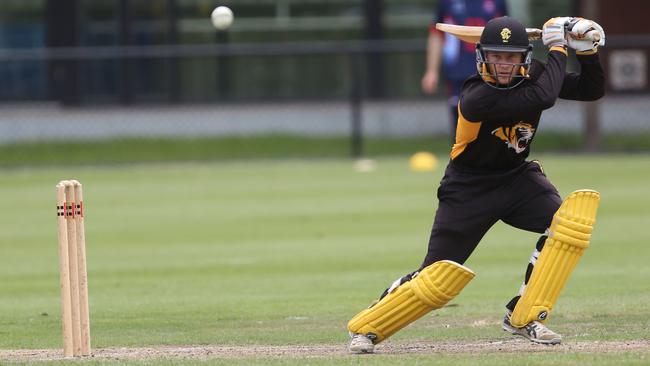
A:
[472,34]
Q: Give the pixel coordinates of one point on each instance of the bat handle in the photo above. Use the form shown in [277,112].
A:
[569,24]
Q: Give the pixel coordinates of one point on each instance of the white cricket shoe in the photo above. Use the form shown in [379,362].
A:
[534,331]
[359,343]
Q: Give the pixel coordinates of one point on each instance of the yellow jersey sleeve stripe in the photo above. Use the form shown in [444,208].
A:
[466,132]
[559,49]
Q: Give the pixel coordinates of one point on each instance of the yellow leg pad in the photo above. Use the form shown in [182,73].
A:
[431,289]
[568,238]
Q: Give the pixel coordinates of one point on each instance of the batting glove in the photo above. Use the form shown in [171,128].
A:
[553,32]
[585,35]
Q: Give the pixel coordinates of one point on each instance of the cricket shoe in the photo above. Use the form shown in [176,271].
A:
[534,331]
[359,343]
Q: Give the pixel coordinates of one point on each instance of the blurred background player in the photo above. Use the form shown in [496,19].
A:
[488,178]
[458,58]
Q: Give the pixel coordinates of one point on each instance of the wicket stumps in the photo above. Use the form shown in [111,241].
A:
[72,268]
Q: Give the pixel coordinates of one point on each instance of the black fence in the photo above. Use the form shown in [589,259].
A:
[304,88]
[213,72]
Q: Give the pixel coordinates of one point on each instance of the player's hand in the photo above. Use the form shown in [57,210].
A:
[430,82]
[584,34]
[553,32]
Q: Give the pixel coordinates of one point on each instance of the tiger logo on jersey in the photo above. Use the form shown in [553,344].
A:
[517,137]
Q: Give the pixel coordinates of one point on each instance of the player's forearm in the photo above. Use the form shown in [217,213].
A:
[434,52]
[591,81]
[545,90]
[589,84]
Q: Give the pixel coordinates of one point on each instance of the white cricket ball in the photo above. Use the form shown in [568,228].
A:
[222,17]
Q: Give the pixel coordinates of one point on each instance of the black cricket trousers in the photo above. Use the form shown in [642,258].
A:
[471,202]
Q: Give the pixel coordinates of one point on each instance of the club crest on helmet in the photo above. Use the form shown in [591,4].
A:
[505,35]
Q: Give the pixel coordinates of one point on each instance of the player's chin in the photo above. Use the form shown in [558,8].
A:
[504,79]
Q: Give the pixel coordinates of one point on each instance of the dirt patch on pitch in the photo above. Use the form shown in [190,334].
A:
[329,350]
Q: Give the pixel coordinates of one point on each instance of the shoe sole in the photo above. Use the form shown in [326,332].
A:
[361,351]
[515,331]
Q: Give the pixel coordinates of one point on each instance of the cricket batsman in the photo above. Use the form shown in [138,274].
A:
[489,179]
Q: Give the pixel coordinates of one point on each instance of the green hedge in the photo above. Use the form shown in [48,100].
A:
[126,151]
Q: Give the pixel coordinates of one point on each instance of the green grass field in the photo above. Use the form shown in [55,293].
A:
[284,252]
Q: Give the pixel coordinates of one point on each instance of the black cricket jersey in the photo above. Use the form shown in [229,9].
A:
[496,126]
